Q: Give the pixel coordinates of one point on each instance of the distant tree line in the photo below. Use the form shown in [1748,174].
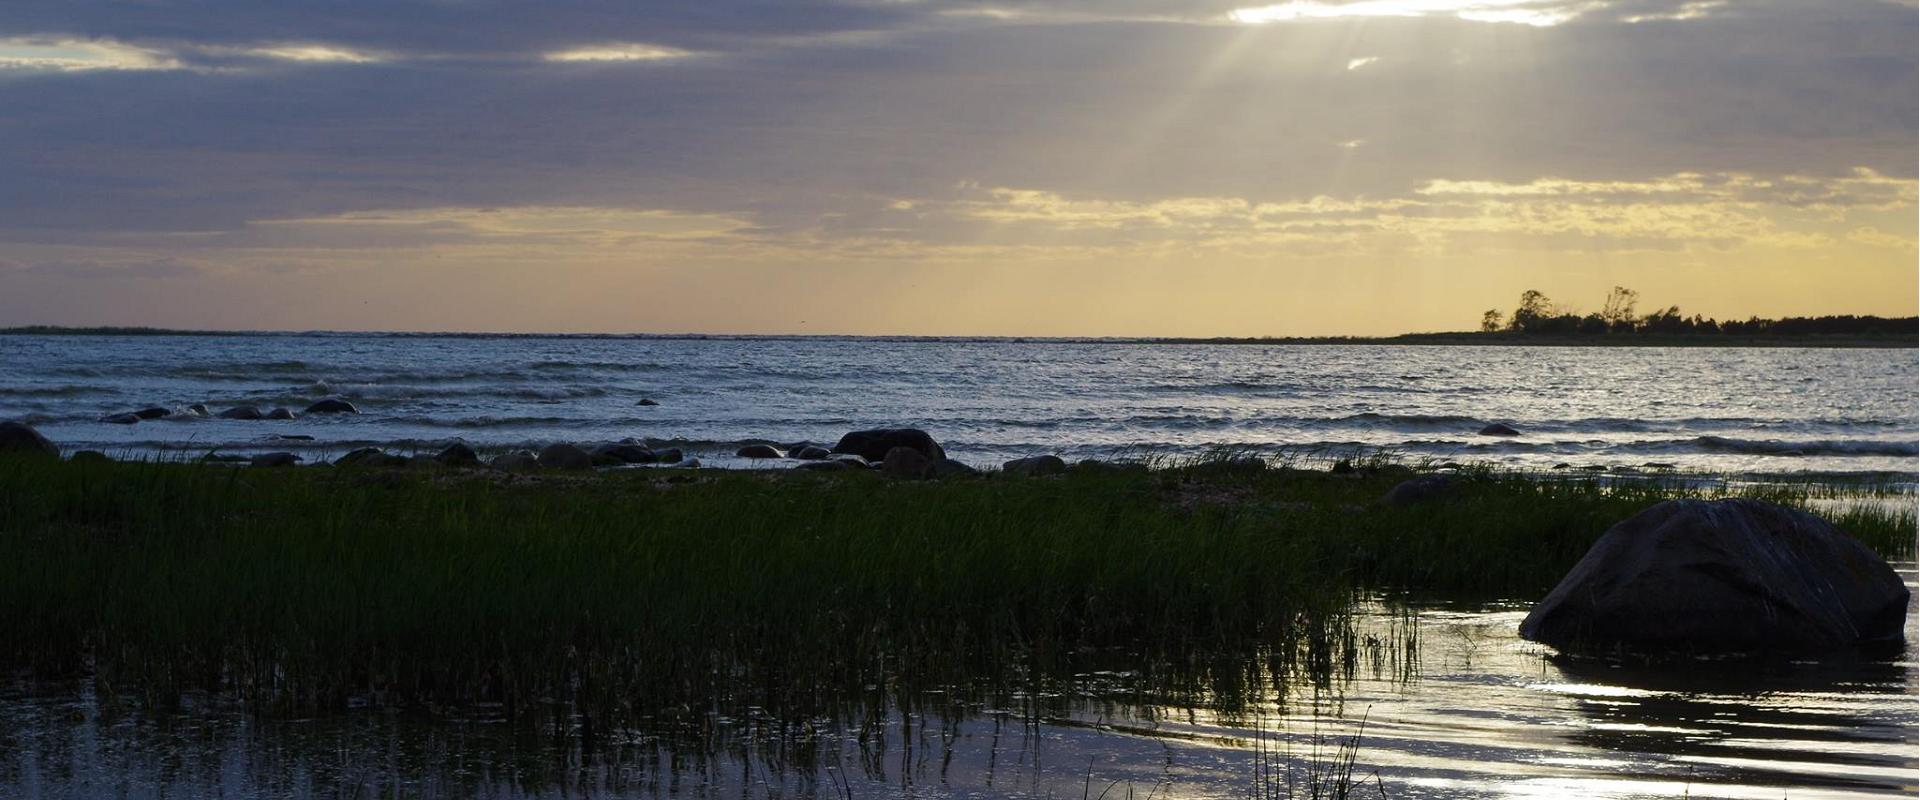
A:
[1537,314]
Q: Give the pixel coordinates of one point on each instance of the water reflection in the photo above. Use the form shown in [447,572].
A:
[1470,712]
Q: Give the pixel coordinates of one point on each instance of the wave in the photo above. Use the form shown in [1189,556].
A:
[1823,447]
[55,391]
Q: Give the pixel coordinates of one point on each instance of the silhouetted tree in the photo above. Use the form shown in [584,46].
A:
[1490,322]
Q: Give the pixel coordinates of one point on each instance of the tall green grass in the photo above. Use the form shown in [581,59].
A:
[596,601]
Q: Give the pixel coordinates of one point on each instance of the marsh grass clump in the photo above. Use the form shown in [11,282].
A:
[592,601]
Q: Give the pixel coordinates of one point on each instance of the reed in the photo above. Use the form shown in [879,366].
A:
[593,601]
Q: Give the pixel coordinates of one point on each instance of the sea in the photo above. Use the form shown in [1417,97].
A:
[1721,411]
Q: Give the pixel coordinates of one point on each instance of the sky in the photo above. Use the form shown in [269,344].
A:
[949,167]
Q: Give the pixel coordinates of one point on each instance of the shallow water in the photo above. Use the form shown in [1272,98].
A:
[1476,713]
[1730,410]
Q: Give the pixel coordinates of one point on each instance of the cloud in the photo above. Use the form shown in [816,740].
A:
[617,52]
[139,270]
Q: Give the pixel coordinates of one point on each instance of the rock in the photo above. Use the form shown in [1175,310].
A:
[949,468]
[280,413]
[370,457]
[120,419]
[1230,465]
[906,462]
[851,459]
[155,412]
[826,466]
[671,455]
[458,454]
[332,406]
[624,453]
[759,451]
[1035,466]
[1563,465]
[1722,577]
[1343,467]
[291,437]
[647,401]
[274,460]
[1499,429]
[873,445]
[561,455]
[810,452]
[1097,466]
[89,457]
[1659,465]
[516,461]
[1423,489]
[199,410]
[243,412]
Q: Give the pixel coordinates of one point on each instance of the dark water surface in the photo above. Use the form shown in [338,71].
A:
[1474,713]
[1709,409]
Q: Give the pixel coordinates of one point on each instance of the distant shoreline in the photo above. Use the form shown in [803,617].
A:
[1461,338]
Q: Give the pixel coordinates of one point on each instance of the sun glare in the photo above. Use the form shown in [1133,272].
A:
[1525,12]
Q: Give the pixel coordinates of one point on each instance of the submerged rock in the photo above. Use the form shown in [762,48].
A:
[280,413]
[1722,577]
[759,451]
[873,445]
[561,455]
[647,401]
[199,410]
[1424,489]
[274,460]
[906,462]
[120,419]
[332,406]
[1499,429]
[243,412]
[155,412]
[18,438]
[1035,466]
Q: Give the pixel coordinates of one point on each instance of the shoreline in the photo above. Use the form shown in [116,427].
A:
[1459,338]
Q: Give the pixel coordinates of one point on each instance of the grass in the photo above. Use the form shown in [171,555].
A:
[595,602]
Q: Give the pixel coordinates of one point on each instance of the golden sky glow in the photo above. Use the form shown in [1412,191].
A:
[1300,168]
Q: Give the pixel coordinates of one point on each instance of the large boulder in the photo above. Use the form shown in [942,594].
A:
[1722,577]
[1424,489]
[17,438]
[759,451]
[1035,466]
[371,457]
[873,445]
[274,460]
[906,462]
[624,453]
[565,456]
[457,454]
[332,406]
